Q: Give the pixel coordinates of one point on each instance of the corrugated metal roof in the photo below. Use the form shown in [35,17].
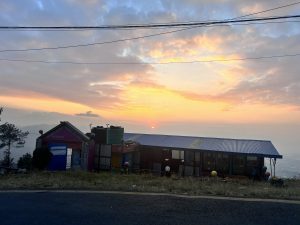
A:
[253,147]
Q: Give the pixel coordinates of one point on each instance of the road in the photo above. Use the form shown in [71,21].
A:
[58,208]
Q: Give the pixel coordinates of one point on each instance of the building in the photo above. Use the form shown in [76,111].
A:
[197,156]
[108,148]
[68,145]
[105,150]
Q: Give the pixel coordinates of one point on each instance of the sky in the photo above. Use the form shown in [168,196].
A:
[254,99]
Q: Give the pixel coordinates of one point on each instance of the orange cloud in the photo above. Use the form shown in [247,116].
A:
[152,104]
[183,48]
[41,103]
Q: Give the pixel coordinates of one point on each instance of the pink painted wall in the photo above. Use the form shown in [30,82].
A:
[62,134]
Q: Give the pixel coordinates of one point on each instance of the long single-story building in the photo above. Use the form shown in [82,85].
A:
[107,148]
[197,156]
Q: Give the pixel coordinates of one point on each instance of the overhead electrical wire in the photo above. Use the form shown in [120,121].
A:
[162,25]
[271,9]
[150,63]
[139,25]
[139,37]
[232,21]
[208,26]
[174,24]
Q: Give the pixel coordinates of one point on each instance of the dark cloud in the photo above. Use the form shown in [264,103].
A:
[22,117]
[273,81]
[87,114]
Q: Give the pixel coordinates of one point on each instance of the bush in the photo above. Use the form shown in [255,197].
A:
[277,182]
[25,162]
[41,158]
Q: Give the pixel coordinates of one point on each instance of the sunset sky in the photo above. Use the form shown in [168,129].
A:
[182,98]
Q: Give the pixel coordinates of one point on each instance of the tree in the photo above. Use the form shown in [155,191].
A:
[9,135]
[41,158]
[25,162]
[1,109]
[7,160]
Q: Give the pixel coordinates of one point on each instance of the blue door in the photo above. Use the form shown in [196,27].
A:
[59,157]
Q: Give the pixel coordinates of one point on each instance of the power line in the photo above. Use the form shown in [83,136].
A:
[136,38]
[133,38]
[147,25]
[94,43]
[162,25]
[149,63]
[272,9]
[215,25]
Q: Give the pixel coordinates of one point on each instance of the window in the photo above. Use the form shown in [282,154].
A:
[251,158]
[177,154]
[69,158]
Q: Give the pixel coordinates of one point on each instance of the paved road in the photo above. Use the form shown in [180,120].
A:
[90,208]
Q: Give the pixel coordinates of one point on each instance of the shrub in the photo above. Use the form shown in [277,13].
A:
[25,162]
[41,158]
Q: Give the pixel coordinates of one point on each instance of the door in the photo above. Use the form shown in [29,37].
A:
[75,162]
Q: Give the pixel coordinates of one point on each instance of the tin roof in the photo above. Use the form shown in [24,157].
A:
[241,146]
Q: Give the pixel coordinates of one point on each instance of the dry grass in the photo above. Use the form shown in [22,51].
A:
[148,183]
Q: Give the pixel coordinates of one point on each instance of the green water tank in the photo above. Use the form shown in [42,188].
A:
[114,135]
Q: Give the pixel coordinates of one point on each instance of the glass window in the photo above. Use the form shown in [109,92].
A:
[251,158]
[181,154]
[177,154]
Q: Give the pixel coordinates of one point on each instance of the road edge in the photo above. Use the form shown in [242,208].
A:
[157,194]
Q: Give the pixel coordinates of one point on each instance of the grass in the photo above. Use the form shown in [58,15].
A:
[148,183]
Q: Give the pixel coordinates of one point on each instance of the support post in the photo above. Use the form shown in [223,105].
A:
[271,167]
[274,164]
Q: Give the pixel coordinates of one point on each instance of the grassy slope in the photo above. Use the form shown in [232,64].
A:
[149,183]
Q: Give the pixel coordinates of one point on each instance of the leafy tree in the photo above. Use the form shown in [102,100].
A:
[41,158]
[25,162]
[9,135]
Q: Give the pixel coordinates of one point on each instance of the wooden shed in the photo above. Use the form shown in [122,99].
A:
[68,145]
